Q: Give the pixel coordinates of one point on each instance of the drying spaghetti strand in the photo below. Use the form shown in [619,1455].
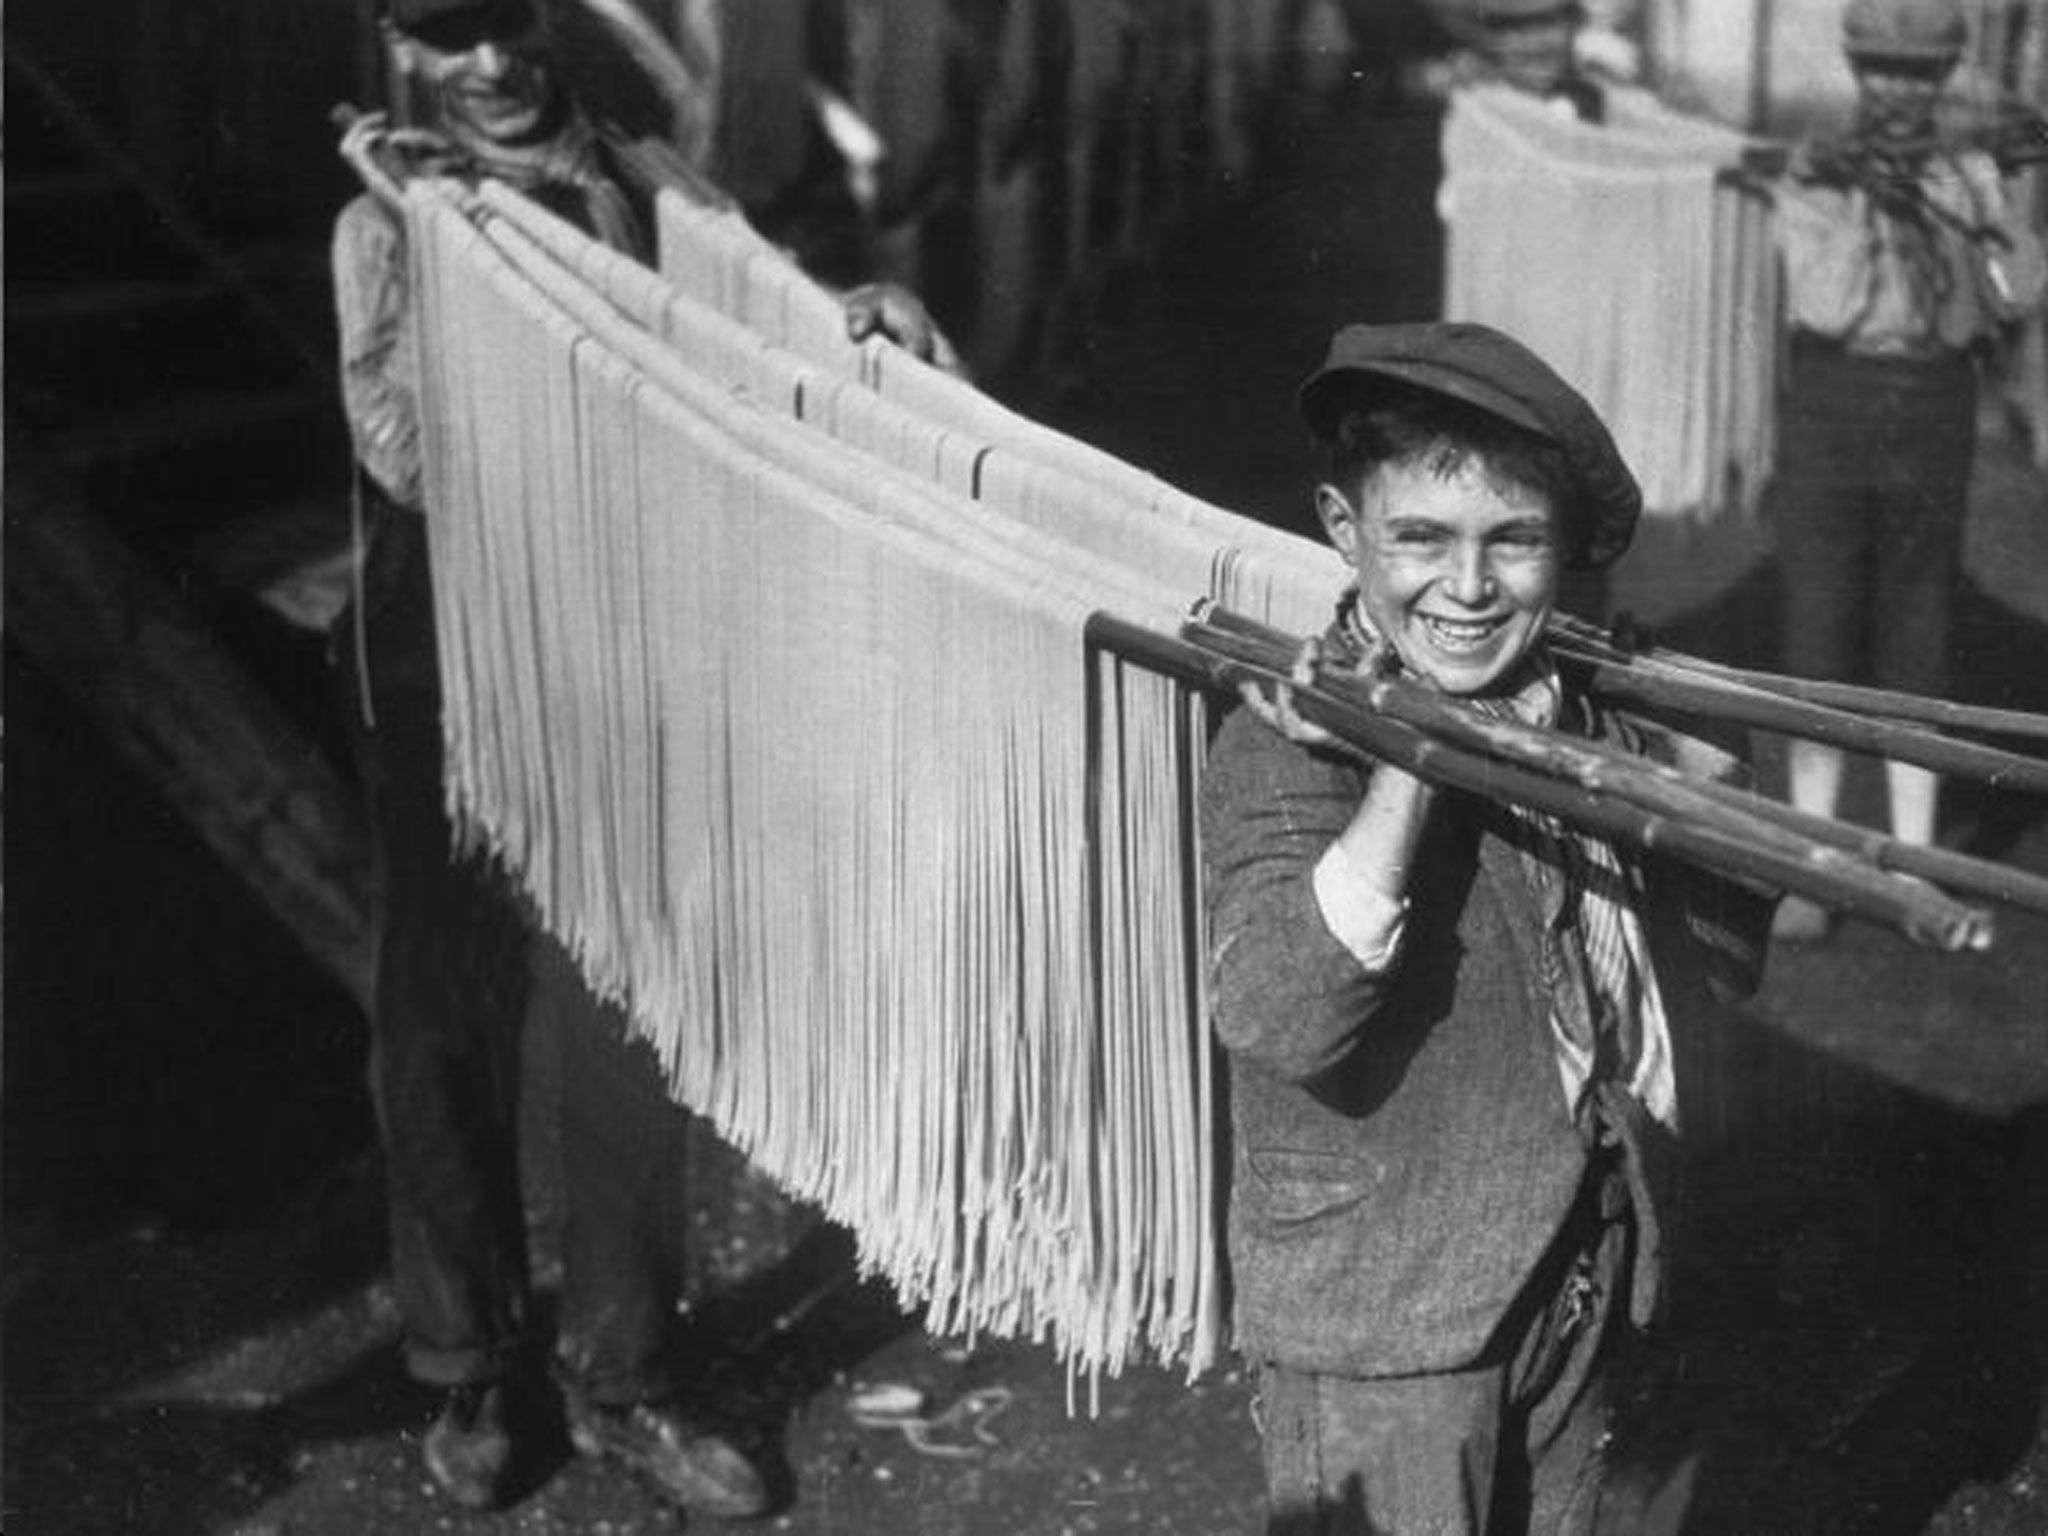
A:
[754,996]
[1676,358]
[1046,480]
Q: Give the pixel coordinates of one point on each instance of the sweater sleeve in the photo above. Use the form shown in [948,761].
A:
[373,314]
[1287,991]
[1366,920]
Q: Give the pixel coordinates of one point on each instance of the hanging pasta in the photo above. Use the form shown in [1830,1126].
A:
[789,678]
[1677,355]
[1065,488]
[1012,1169]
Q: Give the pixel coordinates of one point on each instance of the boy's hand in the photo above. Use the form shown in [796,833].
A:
[893,311]
[1276,707]
[386,157]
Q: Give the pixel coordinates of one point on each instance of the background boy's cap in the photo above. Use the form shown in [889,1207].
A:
[1513,13]
[460,23]
[1493,373]
[1923,31]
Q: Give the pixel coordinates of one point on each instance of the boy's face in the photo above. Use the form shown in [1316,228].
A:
[1898,101]
[494,80]
[1534,53]
[1457,569]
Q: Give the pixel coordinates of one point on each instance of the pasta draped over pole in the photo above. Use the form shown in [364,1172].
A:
[768,674]
[848,728]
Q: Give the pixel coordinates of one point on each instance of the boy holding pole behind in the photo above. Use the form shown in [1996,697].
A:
[463,963]
[1448,1020]
[1906,260]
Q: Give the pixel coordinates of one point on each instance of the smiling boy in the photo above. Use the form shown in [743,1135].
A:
[461,967]
[1451,1064]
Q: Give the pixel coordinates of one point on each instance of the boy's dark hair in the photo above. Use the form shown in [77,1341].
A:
[1393,423]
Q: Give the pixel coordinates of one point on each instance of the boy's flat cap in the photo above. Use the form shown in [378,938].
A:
[1491,372]
[1508,13]
[1917,30]
[460,22]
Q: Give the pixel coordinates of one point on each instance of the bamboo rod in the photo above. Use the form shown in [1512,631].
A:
[1814,722]
[1602,765]
[1655,786]
[1956,872]
[1596,766]
[1823,873]
[1728,844]
[1576,638]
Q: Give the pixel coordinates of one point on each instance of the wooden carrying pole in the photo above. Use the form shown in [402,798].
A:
[1601,788]
[1768,710]
[1602,765]
[1731,845]
[1582,642]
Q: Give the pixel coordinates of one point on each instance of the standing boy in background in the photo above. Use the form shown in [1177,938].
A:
[462,965]
[1904,260]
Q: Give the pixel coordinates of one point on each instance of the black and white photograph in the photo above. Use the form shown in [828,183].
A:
[1025,768]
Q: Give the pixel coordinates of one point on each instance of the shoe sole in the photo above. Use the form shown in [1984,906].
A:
[691,1492]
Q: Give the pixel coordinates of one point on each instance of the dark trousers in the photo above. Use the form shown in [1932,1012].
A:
[1514,1444]
[462,975]
[1868,503]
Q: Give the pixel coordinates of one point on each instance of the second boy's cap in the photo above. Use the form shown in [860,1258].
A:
[1491,372]
[455,25]
[1911,31]
[1521,13]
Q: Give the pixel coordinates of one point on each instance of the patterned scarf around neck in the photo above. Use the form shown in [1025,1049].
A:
[1606,1015]
[565,174]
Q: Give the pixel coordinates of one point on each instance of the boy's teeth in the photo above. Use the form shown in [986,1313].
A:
[1459,632]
